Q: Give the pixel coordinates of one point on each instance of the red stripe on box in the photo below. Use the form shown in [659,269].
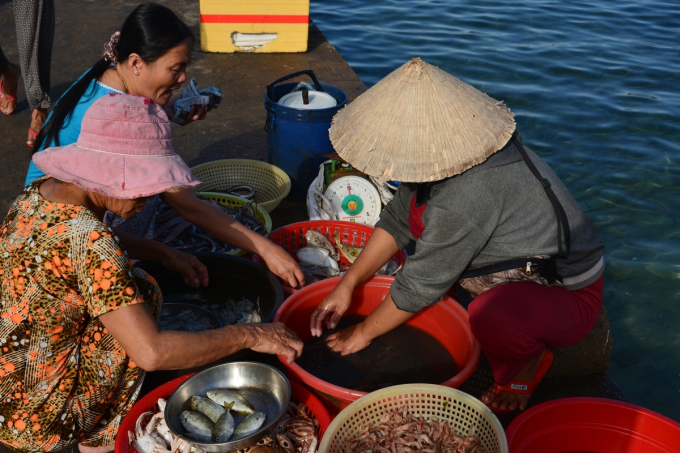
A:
[252,19]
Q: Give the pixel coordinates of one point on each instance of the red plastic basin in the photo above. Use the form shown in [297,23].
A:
[592,425]
[447,321]
[315,409]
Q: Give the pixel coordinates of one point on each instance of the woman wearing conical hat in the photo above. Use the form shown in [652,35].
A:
[487,215]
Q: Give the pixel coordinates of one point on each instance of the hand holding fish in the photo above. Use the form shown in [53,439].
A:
[193,271]
[381,246]
[283,265]
[331,309]
[349,340]
[275,339]
[384,318]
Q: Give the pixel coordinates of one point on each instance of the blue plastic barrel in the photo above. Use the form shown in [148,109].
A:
[297,139]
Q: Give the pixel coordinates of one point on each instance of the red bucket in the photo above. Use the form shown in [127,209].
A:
[447,321]
[292,237]
[300,395]
[592,425]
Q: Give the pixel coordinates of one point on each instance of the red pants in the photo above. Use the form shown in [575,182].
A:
[515,322]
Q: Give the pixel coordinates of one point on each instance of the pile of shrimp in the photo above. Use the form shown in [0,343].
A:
[401,432]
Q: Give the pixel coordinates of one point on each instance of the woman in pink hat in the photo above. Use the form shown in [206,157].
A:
[149,57]
[78,324]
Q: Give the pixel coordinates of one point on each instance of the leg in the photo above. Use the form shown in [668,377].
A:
[515,323]
[35,33]
[9,74]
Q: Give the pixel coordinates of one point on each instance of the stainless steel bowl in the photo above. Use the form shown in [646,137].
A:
[263,386]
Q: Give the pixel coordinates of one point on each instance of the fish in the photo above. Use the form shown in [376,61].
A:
[319,271]
[231,312]
[197,423]
[318,257]
[197,437]
[249,425]
[187,320]
[227,396]
[207,407]
[348,251]
[316,239]
[224,428]
[175,232]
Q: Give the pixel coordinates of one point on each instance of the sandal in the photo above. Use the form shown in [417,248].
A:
[523,387]
[8,97]
[33,134]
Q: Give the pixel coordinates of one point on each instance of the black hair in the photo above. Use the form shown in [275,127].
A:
[150,31]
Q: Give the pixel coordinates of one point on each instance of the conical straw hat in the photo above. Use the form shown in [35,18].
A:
[420,124]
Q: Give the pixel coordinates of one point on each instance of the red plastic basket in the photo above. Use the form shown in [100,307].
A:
[300,395]
[292,237]
[592,425]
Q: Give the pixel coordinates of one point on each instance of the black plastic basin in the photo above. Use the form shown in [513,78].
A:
[230,278]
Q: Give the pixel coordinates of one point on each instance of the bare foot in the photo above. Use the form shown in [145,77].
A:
[38,118]
[513,401]
[9,84]
[104,449]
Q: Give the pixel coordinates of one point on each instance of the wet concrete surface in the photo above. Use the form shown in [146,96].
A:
[235,130]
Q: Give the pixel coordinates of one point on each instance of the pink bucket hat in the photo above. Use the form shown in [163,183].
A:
[124,151]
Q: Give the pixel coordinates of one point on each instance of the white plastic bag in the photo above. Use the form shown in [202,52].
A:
[319,207]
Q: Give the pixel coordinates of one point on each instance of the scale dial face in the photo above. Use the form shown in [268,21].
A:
[354,199]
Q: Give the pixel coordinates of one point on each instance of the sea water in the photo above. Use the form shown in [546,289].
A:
[595,87]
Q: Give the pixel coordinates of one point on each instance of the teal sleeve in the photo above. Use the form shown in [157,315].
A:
[33,174]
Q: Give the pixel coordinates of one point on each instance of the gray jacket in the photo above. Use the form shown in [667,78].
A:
[494,212]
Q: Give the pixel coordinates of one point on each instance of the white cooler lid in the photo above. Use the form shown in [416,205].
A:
[317,100]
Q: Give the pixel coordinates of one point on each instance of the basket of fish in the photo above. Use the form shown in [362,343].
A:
[327,248]
[171,229]
[417,418]
[261,182]
[144,429]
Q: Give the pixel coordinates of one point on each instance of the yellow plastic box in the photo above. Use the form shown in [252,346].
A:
[266,26]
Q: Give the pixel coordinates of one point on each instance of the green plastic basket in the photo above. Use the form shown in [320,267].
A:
[271,184]
[232,201]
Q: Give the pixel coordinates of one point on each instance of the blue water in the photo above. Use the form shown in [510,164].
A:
[595,87]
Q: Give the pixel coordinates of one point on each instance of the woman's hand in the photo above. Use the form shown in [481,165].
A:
[355,338]
[193,271]
[331,309]
[283,266]
[349,340]
[276,339]
[220,225]
[195,114]
[380,247]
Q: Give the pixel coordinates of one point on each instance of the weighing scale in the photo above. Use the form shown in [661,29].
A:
[352,196]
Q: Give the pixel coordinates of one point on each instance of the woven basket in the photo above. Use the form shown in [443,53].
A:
[432,401]
[271,184]
[232,201]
